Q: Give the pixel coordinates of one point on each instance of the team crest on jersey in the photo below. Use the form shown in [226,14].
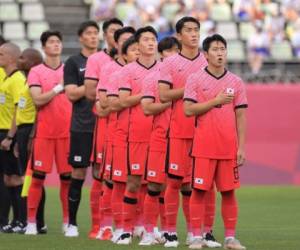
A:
[199,181]
[38,163]
[135,166]
[117,173]
[77,158]
[152,173]
[173,166]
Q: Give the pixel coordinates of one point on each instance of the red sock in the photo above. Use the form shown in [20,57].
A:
[140,206]
[129,210]
[34,197]
[105,206]
[151,210]
[162,213]
[116,203]
[210,207]
[95,194]
[172,203]
[229,212]
[186,195]
[197,211]
[64,194]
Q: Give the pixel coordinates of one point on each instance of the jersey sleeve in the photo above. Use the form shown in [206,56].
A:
[103,79]
[92,68]
[33,78]
[71,73]
[165,72]
[148,90]
[240,99]
[16,88]
[125,80]
[113,87]
[190,90]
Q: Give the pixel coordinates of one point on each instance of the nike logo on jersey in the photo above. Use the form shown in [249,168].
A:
[81,69]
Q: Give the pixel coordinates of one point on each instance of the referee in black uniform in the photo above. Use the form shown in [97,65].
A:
[83,119]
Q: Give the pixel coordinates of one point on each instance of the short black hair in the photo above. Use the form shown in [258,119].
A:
[120,32]
[168,43]
[179,25]
[214,38]
[131,40]
[86,24]
[107,23]
[2,40]
[46,34]
[142,30]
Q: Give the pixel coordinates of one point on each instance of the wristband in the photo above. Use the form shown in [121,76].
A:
[58,88]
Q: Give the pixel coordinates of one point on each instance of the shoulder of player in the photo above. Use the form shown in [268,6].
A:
[234,78]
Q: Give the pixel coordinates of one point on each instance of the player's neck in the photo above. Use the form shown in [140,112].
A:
[53,62]
[146,60]
[10,69]
[216,71]
[190,53]
[87,52]
[120,59]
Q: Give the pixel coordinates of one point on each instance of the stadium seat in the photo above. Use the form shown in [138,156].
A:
[221,12]
[228,30]
[23,44]
[246,29]
[281,51]
[27,1]
[34,29]
[33,12]
[236,50]
[14,30]
[9,12]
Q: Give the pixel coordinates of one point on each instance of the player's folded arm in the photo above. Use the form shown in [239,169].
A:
[74,92]
[167,93]
[126,99]
[90,88]
[114,102]
[39,98]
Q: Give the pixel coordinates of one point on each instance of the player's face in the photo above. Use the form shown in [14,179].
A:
[132,53]
[148,44]
[4,57]
[109,34]
[22,62]
[122,39]
[217,54]
[53,46]
[190,35]
[90,38]
[170,52]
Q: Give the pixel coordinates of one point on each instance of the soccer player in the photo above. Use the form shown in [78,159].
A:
[52,139]
[217,98]
[158,145]
[9,98]
[140,126]
[174,72]
[108,76]
[25,119]
[83,119]
[93,69]
[130,53]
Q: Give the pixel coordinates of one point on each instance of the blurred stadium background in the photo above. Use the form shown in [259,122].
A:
[263,48]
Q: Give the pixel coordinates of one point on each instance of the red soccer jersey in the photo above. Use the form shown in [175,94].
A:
[216,133]
[53,119]
[109,76]
[174,71]
[161,121]
[140,126]
[95,63]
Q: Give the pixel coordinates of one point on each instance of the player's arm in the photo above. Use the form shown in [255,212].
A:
[193,108]
[6,142]
[74,92]
[41,99]
[240,114]
[114,103]
[150,107]
[90,88]
[101,112]
[167,94]
[127,100]
[103,98]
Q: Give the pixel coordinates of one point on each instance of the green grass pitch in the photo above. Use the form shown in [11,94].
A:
[269,219]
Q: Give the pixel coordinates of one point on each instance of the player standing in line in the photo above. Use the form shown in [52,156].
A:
[83,118]
[140,126]
[129,54]
[93,69]
[158,144]
[52,139]
[217,98]
[174,72]
[107,78]
[25,119]
[9,98]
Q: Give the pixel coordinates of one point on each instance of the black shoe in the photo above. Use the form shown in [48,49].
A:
[42,229]
[7,229]
[172,240]
[19,227]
